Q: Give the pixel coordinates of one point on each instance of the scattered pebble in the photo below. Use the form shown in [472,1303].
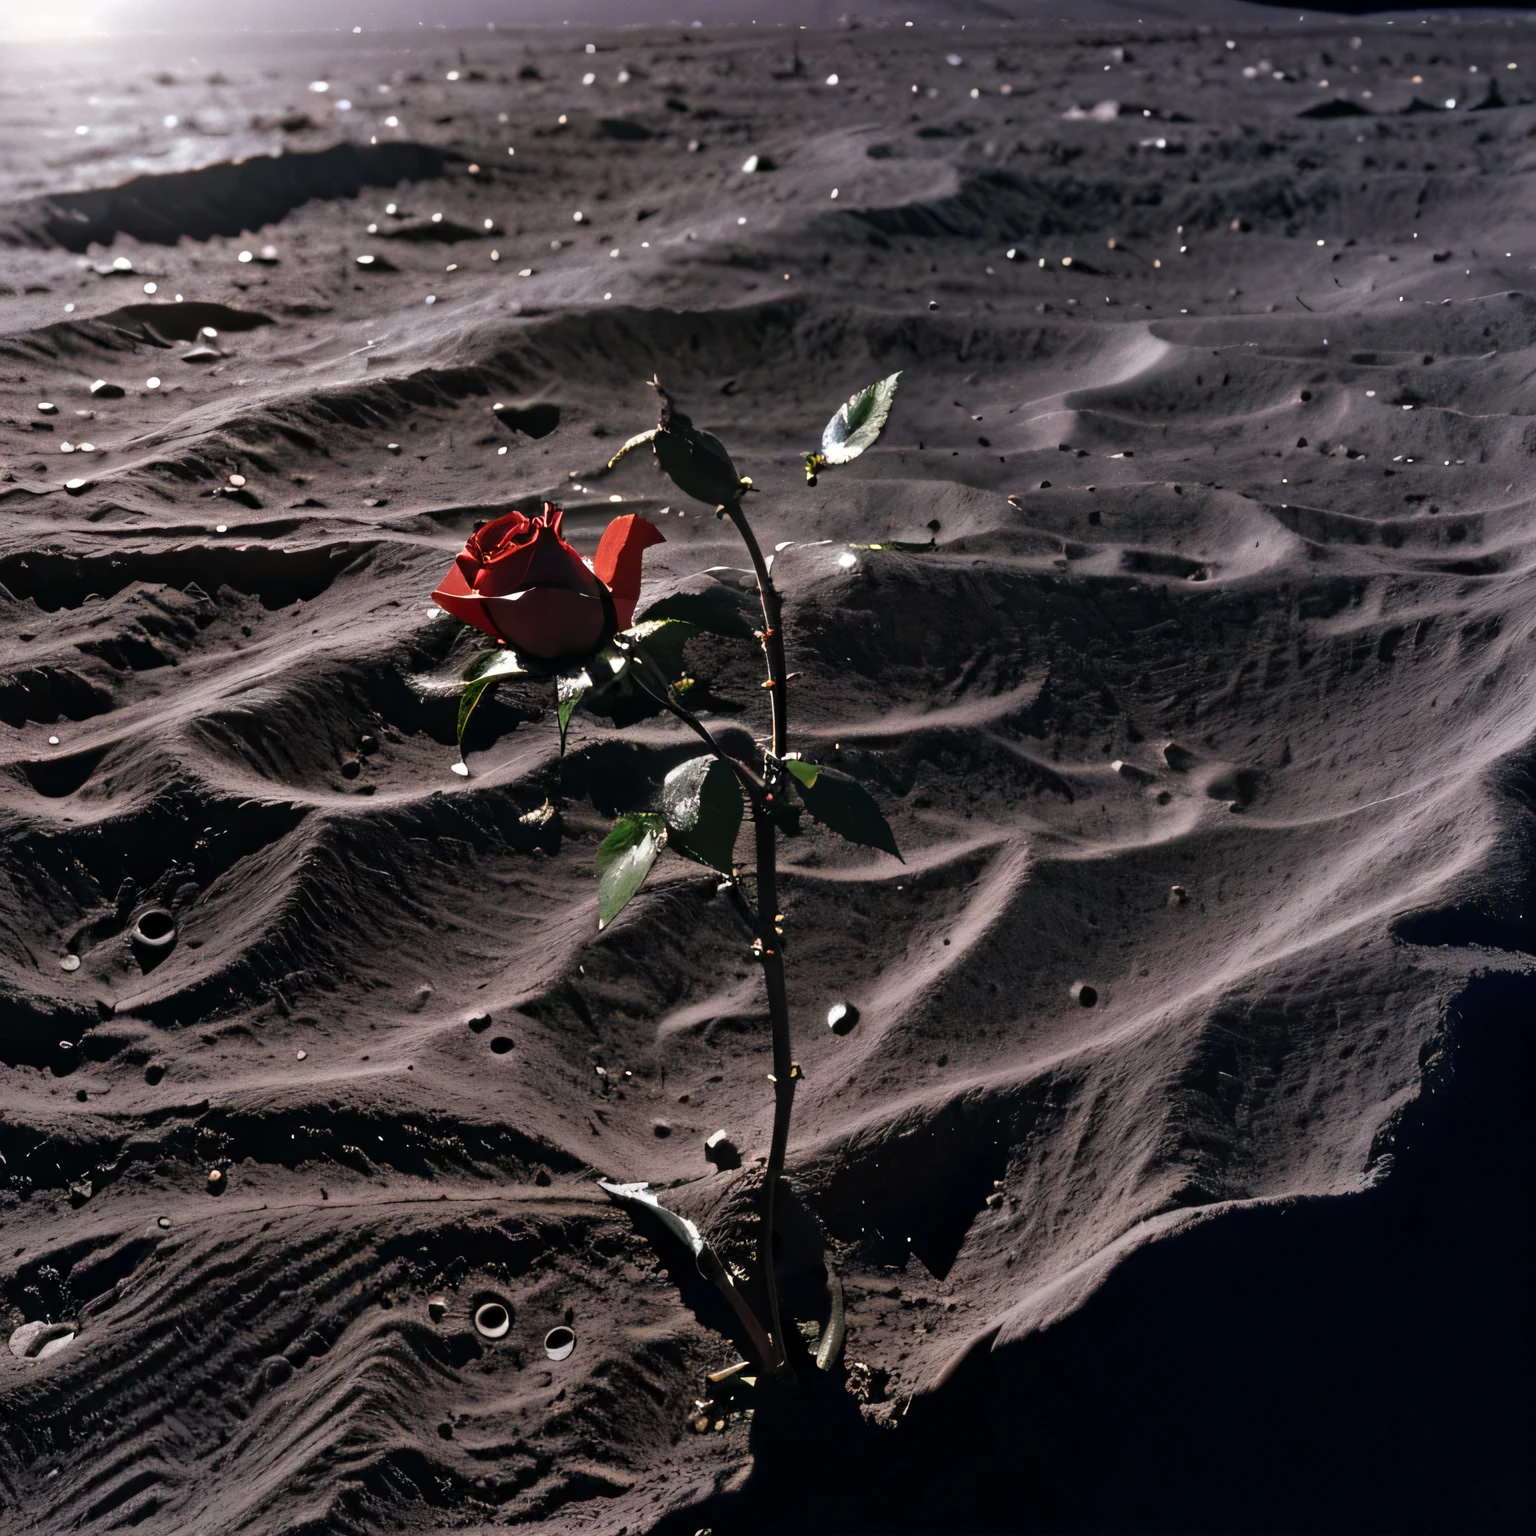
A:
[216,1181]
[70,963]
[48,408]
[1084,994]
[102,390]
[437,1309]
[841,1018]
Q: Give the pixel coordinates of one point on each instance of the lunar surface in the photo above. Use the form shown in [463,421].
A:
[1170,1141]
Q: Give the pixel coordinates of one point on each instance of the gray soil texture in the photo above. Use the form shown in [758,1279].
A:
[1175,1155]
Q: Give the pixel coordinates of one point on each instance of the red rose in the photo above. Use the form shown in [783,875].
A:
[520,582]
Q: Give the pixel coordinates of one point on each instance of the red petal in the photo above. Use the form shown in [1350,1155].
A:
[548,622]
[617,562]
[510,528]
[455,596]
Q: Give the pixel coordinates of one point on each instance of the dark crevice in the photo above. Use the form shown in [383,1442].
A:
[228,199]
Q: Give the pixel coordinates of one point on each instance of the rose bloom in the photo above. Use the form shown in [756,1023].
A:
[520,582]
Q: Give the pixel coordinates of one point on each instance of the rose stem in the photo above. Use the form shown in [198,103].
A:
[764,795]
[764,811]
[773,628]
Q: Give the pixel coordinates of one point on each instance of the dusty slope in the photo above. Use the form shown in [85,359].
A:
[1239,504]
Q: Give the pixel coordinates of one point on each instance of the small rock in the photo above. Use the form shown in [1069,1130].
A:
[1180,759]
[105,391]
[720,1150]
[437,1309]
[479,1022]
[422,997]
[36,1341]
[216,1181]
[1084,994]
[1177,895]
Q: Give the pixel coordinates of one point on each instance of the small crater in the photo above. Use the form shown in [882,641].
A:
[493,1319]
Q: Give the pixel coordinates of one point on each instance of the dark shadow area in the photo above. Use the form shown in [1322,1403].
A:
[1359,1363]
[221,199]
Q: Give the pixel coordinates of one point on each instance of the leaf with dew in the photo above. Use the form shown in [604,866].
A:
[856,426]
[701,801]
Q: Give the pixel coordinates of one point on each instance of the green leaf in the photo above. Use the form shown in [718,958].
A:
[699,466]
[502,662]
[570,688]
[718,611]
[482,675]
[858,423]
[701,801]
[831,1345]
[471,696]
[625,859]
[842,805]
